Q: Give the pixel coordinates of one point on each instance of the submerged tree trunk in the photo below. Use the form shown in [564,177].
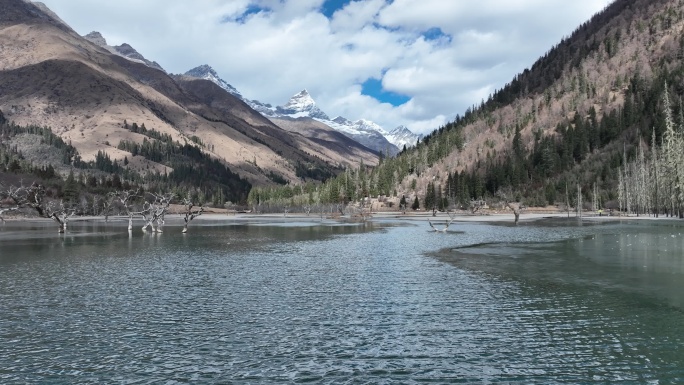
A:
[190,214]
[516,207]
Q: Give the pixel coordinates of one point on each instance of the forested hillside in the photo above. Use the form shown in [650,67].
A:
[79,184]
[573,120]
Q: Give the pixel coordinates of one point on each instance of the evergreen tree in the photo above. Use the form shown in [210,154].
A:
[429,201]
[70,189]
[416,204]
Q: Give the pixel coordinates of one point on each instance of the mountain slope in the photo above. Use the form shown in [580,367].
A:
[568,118]
[339,148]
[53,77]
[579,122]
[124,50]
[312,137]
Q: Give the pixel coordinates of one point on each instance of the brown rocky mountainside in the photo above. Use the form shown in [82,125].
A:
[630,47]
[51,76]
[323,137]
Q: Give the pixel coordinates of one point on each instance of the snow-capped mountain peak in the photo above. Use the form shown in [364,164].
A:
[300,101]
[302,105]
[402,136]
[367,125]
[400,130]
[364,131]
[206,72]
[341,120]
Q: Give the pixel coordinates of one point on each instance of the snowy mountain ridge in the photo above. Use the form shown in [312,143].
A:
[302,105]
[402,136]
[206,72]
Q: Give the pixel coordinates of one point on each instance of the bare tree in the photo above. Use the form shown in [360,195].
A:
[34,197]
[621,190]
[189,213]
[579,201]
[108,204]
[362,211]
[506,194]
[155,211]
[655,178]
[475,206]
[10,197]
[658,186]
[124,198]
[567,199]
[60,214]
[594,199]
[517,208]
[452,217]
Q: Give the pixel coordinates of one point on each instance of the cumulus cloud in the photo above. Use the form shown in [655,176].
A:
[443,55]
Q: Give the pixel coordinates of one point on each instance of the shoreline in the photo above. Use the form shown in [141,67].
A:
[175,218]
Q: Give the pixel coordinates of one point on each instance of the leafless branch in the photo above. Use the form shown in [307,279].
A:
[155,211]
[190,214]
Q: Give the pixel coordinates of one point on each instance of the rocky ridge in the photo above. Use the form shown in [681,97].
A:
[124,50]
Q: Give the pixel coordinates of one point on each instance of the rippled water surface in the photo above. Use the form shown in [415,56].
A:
[383,302]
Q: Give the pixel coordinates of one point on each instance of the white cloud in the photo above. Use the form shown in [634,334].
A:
[289,45]
[356,15]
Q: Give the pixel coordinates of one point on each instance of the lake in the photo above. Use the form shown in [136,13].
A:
[256,302]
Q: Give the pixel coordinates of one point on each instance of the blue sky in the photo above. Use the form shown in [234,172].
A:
[373,87]
[416,63]
[330,6]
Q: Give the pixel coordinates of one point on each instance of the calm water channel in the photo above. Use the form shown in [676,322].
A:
[385,302]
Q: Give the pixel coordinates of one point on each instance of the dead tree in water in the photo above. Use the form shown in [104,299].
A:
[8,197]
[108,204]
[155,211]
[60,214]
[517,208]
[452,218]
[475,206]
[34,197]
[124,198]
[190,214]
[366,209]
[506,195]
